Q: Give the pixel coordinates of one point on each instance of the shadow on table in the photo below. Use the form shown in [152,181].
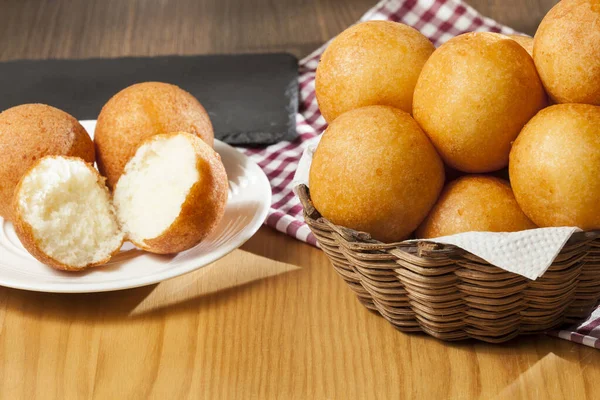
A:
[210,286]
[538,355]
[277,246]
[537,346]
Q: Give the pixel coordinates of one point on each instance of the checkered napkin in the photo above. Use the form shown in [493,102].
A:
[439,20]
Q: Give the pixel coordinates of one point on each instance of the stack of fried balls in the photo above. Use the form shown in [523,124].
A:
[159,183]
[488,132]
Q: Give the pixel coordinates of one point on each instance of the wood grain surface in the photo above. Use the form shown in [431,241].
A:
[271,320]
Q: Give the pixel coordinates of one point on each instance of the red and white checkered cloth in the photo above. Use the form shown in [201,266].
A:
[439,20]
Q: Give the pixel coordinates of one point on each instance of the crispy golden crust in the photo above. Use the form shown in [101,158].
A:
[371,63]
[203,208]
[555,167]
[140,111]
[525,41]
[30,132]
[26,235]
[475,203]
[474,95]
[375,171]
[567,51]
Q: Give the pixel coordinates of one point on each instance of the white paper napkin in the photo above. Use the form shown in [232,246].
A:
[301,175]
[526,253]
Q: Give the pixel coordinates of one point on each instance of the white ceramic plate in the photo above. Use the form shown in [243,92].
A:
[249,201]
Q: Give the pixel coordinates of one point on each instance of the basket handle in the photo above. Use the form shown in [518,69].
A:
[303,194]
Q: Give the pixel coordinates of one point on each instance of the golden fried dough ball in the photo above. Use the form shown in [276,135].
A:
[64,216]
[375,171]
[375,62]
[140,111]
[525,41]
[172,193]
[555,167]
[566,51]
[475,203]
[474,95]
[29,132]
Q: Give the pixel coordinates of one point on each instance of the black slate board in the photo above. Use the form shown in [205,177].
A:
[252,99]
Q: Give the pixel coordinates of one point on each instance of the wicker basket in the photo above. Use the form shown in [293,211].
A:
[451,294]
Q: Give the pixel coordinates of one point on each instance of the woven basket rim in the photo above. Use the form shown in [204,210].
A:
[364,241]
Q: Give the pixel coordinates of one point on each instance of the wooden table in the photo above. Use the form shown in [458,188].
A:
[271,320]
